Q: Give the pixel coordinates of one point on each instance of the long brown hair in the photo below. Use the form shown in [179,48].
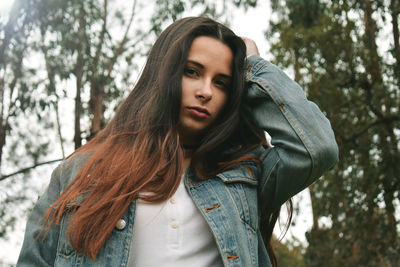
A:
[140,150]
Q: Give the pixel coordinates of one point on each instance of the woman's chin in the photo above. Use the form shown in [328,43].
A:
[189,135]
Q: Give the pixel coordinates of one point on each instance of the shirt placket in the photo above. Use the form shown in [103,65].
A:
[174,213]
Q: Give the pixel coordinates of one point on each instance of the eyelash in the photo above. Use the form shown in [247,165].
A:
[221,84]
[192,72]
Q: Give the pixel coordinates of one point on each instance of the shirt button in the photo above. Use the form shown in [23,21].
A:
[120,224]
[174,224]
[172,200]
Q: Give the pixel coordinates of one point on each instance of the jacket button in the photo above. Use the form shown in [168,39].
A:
[120,224]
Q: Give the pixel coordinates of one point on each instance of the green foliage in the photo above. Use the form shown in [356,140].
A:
[332,49]
[51,51]
[289,255]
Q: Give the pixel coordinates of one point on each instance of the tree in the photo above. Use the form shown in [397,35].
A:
[333,49]
[66,64]
[288,254]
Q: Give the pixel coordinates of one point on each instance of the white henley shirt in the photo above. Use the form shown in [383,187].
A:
[172,234]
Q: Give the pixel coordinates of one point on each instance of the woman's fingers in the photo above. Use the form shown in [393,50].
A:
[251,47]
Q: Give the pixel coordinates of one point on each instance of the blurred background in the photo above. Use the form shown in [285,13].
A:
[65,65]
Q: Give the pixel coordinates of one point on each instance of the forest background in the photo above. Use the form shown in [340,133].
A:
[65,65]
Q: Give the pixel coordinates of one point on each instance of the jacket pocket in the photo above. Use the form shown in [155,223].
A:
[241,184]
[64,248]
[65,251]
[244,173]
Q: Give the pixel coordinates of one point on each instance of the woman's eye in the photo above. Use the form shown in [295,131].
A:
[191,72]
[221,84]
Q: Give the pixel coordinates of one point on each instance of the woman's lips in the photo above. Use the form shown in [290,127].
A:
[199,112]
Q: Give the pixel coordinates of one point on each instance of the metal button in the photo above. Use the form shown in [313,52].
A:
[172,200]
[174,224]
[120,224]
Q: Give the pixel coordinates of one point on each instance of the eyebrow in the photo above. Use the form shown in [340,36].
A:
[202,67]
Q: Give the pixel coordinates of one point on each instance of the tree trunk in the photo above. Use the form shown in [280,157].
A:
[373,65]
[391,185]
[78,108]
[79,76]
[394,8]
[390,210]
[96,104]
[297,75]
[315,224]
[2,139]
[2,127]
[59,126]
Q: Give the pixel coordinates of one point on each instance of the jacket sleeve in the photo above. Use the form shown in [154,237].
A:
[35,251]
[38,251]
[303,143]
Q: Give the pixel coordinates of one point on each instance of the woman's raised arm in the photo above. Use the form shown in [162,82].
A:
[304,145]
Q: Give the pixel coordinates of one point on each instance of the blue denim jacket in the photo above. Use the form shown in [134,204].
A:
[303,148]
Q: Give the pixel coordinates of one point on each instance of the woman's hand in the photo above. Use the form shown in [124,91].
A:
[251,47]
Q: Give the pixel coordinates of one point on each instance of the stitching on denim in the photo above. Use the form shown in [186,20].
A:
[232,257]
[250,172]
[208,209]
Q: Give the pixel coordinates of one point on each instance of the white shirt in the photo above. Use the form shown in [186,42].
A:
[172,234]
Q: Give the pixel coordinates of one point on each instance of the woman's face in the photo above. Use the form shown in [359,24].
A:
[205,84]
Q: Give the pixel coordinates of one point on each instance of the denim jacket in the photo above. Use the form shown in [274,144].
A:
[303,148]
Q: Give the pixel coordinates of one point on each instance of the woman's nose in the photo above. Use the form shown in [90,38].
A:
[204,91]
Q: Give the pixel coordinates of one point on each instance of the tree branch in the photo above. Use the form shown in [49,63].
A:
[101,38]
[3,177]
[383,120]
[55,104]
[121,45]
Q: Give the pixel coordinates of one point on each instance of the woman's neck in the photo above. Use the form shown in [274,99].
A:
[186,162]
[187,155]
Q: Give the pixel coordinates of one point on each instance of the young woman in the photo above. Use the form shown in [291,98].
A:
[183,175]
